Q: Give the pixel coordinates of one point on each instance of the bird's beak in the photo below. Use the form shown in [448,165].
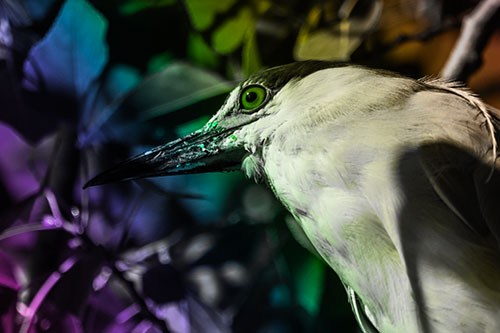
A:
[205,150]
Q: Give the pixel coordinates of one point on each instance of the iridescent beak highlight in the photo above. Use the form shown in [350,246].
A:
[197,152]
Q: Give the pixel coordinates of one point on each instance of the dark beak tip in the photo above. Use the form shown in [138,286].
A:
[92,182]
[108,177]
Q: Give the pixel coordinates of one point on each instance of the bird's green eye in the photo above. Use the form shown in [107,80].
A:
[252,97]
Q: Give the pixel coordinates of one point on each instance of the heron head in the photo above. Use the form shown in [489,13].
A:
[250,117]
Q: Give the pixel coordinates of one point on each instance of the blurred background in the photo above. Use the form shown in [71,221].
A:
[87,83]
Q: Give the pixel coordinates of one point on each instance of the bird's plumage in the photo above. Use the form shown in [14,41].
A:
[389,180]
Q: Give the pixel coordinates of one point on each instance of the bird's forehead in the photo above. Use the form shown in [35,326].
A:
[276,77]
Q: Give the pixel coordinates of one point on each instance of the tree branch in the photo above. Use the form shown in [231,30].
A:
[477,28]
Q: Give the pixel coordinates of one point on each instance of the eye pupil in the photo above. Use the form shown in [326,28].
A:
[251,96]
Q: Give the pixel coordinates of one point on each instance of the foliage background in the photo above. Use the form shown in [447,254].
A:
[87,83]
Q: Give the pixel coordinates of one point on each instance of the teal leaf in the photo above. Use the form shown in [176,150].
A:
[71,55]
[150,114]
[37,9]
[177,87]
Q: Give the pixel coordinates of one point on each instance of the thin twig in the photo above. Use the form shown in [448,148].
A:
[129,286]
[477,29]
[54,278]
[421,36]
[44,290]
[375,54]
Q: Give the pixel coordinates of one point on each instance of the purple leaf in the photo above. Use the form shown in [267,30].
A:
[15,174]
[7,277]
[107,312]
[9,288]
[205,319]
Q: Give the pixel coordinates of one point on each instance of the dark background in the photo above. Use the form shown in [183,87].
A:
[87,83]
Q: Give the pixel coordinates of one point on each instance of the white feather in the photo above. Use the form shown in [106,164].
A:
[338,147]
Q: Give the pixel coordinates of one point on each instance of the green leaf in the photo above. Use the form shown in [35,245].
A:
[229,36]
[159,62]
[200,53]
[191,126]
[309,279]
[336,41]
[132,7]
[251,58]
[202,12]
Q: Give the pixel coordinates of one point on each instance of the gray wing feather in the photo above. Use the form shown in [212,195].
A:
[465,183]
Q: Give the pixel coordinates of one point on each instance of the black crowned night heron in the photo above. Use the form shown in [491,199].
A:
[392,181]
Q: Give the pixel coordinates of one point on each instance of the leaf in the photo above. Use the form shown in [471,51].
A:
[179,93]
[15,174]
[200,53]
[203,12]
[110,307]
[32,206]
[120,80]
[7,274]
[227,23]
[72,54]
[15,12]
[58,71]
[216,188]
[131,7]
[191,126]
[37,9]
[340,39]
[229,36]
[309,279]
[251,58]
[205,319]
[159,62]
[178,86]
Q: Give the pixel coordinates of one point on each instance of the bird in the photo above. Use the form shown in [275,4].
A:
[393,181]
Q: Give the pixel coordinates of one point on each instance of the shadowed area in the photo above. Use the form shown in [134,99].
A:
[445,188]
